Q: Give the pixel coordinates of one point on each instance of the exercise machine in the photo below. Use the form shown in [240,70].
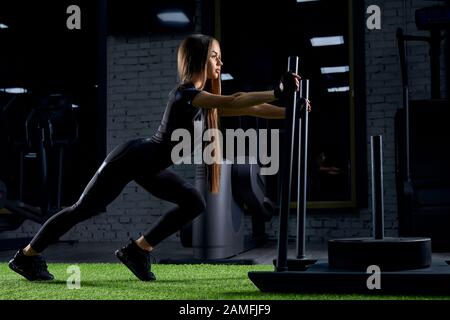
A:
[422,134]
[49,127]
[404,264]
[234,219]
[219,233]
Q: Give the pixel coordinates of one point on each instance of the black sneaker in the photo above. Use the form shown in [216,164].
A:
[137,260]
[31,267]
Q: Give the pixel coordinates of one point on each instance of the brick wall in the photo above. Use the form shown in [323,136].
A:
[142,71]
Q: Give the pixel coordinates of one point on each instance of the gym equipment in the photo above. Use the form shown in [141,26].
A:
[386,253]
[422,173]
[220,232]
[49,127]
[12,215]
[8,221]
[404,264]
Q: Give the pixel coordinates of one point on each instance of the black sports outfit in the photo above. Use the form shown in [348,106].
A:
[145,161]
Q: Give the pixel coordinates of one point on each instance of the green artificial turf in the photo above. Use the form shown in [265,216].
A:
[190,282]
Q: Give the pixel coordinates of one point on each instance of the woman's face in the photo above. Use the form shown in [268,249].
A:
[214,61]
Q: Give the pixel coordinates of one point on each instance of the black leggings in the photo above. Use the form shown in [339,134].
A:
[145,162]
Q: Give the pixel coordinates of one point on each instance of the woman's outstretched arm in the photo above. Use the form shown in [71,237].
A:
[244,100]
[265,111]
[237,101]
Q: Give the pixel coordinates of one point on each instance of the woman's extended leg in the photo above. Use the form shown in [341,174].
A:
[103,188]
[107,183]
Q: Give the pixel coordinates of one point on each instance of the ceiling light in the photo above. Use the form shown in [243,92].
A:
[14,90]
[327,41]
[173,17]
[339,89]
[326,70]
[226,76]
[3,26]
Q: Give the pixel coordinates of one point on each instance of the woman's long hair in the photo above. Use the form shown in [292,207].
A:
[193,55]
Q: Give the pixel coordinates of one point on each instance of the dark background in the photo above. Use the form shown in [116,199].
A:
[255,46]
[39,53]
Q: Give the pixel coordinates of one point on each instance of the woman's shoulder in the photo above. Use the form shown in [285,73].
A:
[185,90]
[187,86]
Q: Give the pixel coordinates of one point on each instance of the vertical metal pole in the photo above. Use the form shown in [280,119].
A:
[435,46]
[42,156]
[376,144]
[60,174]
[100,79]
[286,174]
[22,168]
[302,172]
[404,70]
[407,133]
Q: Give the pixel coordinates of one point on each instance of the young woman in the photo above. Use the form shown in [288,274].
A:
[146,161]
